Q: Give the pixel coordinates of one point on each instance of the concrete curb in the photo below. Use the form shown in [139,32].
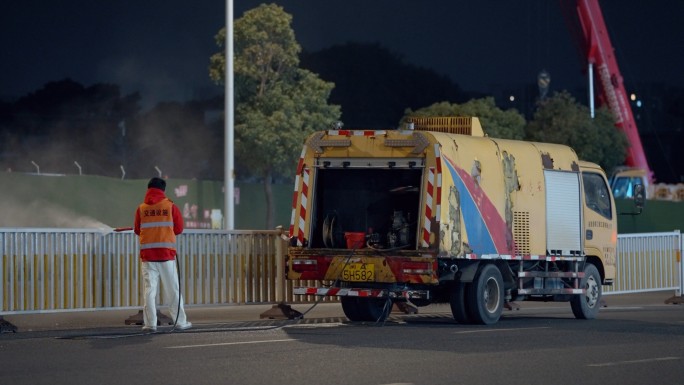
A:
[205,314]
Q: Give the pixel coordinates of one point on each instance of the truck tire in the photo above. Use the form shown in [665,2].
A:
[587,306]
[486,296]
[376,309]
[366,309]
[350,307]
[457,300]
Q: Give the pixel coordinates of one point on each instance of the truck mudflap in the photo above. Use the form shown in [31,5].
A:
[362,292]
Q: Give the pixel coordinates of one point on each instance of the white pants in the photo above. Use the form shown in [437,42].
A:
[152,273]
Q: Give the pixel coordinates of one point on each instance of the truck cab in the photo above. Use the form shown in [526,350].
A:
[624,180]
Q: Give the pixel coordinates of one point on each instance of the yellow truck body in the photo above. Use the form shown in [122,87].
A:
[438,212]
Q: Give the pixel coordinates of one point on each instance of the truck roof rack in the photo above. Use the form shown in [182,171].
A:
[463,125]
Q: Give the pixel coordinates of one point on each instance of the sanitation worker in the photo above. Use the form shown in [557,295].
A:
[157,222]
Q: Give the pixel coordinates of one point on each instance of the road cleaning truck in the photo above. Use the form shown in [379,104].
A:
[437,212]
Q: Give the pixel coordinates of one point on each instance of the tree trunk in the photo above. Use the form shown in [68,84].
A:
[268,191]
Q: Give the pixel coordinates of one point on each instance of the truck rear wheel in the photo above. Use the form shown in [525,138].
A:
[366,309]
[350,307]
[377,309]
[486,296]
[457,301]
[586,306]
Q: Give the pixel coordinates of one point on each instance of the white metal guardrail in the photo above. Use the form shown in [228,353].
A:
[648,262]
[47,270]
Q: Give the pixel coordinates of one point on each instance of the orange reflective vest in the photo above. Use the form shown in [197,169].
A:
[156,225]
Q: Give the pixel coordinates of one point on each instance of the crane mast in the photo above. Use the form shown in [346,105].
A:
[601,60]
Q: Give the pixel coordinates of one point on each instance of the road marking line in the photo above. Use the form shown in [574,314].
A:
[400,383]
[500,330]
[320,325]
[229,343]
[646,360]
[237,328]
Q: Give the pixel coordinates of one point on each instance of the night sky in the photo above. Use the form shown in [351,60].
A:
[162,48]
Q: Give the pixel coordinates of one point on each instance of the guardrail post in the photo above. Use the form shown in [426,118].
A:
[677,299]
[681,265]
[280,267]
[281,310]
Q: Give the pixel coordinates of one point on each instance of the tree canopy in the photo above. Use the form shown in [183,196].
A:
[509,124]
[558,119]
[278,104]
[561,119]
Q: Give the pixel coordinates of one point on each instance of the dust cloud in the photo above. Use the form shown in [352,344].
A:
[44,214]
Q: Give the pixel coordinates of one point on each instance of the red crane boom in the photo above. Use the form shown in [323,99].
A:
[599,53]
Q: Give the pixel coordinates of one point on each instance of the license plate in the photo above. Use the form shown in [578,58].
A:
[359,272]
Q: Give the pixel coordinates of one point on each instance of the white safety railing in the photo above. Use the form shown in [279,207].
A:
[47,270]
[648,262]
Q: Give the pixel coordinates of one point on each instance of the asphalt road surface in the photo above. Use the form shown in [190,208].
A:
[635,344]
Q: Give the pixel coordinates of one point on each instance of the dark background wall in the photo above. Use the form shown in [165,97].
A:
[30,200]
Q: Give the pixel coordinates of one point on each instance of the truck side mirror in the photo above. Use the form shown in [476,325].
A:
[639,196]
[638,200]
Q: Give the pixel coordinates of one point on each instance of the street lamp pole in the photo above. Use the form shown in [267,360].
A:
[229,174]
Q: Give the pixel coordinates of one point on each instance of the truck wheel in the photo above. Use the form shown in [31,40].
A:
[587,306]
[351,308]
[376,309]
[366,309]
[486,297]
[458,302]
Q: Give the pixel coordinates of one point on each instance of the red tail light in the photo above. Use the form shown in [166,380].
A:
[416,268]
[303,265]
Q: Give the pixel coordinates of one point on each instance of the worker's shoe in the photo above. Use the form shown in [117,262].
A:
[149,329]
[185,326]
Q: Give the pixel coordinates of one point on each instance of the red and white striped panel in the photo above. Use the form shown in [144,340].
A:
[304,197]
[438,193]
[425,242]
[433,197]
[356,132]
[295,194]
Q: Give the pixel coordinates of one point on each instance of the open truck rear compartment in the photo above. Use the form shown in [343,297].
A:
[373,203]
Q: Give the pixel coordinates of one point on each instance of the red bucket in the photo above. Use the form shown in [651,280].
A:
[355,240]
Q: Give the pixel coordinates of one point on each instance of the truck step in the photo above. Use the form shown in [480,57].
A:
[550,291]
[548,258]
[551,274]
